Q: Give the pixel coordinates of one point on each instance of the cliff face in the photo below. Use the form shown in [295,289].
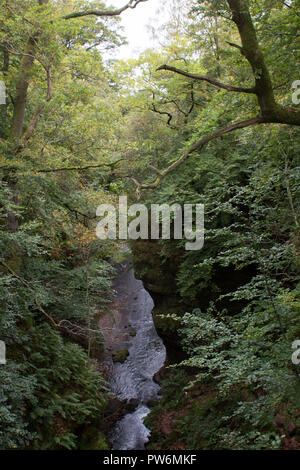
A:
[159,277]
[157,274]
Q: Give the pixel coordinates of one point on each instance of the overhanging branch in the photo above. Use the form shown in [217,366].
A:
[79,168]
[212,81]
[270,110]
[79,14]
[64,168]
[192,148]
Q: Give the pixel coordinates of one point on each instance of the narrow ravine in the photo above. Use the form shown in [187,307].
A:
[131,328]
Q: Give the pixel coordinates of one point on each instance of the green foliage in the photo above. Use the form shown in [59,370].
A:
[243,286]
[16,389]
[240,340]
[105,123]
[55,277]
[69,393]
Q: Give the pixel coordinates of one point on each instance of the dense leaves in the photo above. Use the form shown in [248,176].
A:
[90,127]
[55,275]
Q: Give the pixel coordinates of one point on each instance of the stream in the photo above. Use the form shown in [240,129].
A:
[131,327]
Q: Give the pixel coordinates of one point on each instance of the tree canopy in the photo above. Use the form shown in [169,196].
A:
[210,112]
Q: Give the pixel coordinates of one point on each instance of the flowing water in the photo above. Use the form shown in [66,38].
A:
[134,330]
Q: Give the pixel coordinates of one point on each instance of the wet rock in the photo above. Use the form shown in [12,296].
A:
[160,375]
[115,410]
[132,405]
[152,403]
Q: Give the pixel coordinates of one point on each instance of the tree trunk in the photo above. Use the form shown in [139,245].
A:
[21,89]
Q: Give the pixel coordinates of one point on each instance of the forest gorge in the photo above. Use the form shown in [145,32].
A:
[211,116]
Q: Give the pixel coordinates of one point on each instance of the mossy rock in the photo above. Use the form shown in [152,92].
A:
[132,333]
[120,356]
[157,275]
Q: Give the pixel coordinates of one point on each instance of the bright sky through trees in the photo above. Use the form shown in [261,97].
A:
[136,25]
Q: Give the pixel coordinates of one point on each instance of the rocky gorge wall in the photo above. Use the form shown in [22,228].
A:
[159,278]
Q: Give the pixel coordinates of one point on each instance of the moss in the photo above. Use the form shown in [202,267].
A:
[132,333]
[158,274]
[120,356]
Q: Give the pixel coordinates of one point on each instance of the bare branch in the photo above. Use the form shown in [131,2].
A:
[212,81]
[197,146]
[192,99]
[138,187]
[79,14]
[79,168]
[289,6]
[270,110]
[232,44]
[170,117]
[156,170]
[66,168]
